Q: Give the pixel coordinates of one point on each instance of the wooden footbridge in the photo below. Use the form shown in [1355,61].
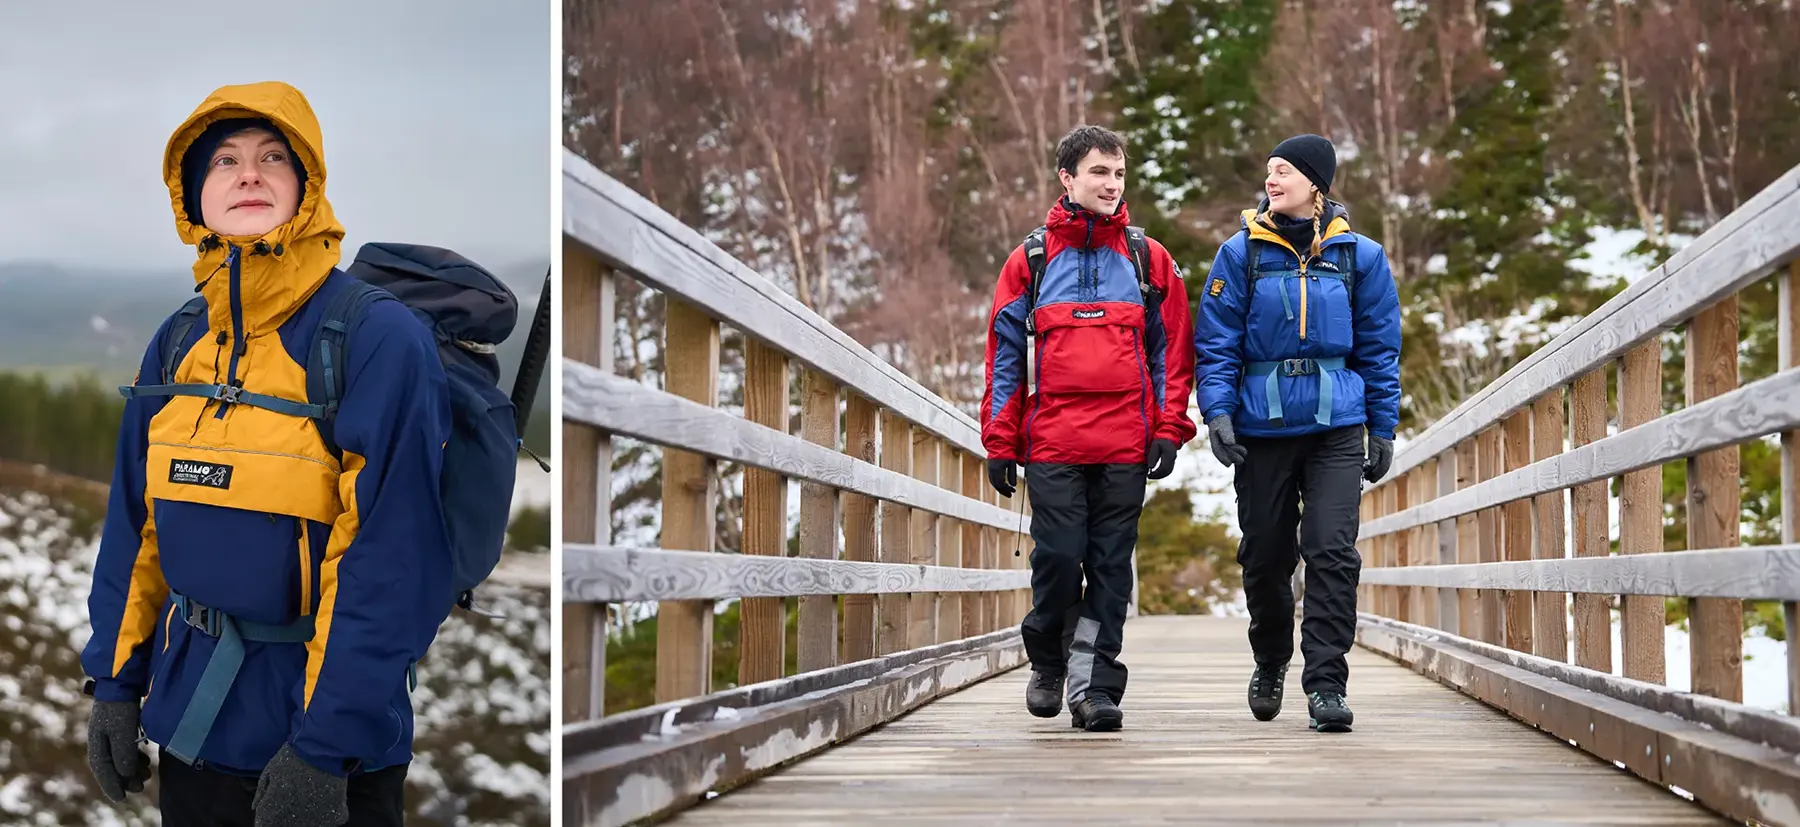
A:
[1483,683]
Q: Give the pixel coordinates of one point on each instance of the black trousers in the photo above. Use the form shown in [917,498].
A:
[1084,521]
[1312,483]
[208,798]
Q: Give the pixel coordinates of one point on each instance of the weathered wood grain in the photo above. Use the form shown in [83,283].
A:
[636,725]
[675,770]
[1549,428]
[1448,608]
[1766,406]
[921,629]
[1738,777]
[1743,247]
[1787,325]
[689,494]
[1493,609]
[586,474]
[817,635]
[1593,615]
[1761,726]
[896,458]
[1517,539]
[633,234]
[762,621]
[1748,573]
[1468,544]
[1190,754]
[626,407]
[614,573]
[1714,500]
[1641,618]
[859,528]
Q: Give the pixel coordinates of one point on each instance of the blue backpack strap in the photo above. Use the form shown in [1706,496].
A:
[326,365]
[175,347]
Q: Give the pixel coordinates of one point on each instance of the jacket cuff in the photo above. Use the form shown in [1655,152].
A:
[112,689]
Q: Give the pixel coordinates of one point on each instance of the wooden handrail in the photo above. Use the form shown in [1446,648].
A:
[1489,485]
[929,602]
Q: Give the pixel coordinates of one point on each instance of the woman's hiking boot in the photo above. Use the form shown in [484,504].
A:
[1327,712]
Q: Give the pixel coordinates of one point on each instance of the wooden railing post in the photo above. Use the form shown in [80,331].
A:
[1548,427]
[689,494]
[1788,346]
[896,537]
[1400,546]
[817,637]
[974,551]
[1593,614]
[762,621]
[1714,506]
[1517,535]
[923,630]
[949,538]
[1448,611]
[859,528]
[1468,546]
[588,310]
[1487,448]
[1425,539]
[1643,617]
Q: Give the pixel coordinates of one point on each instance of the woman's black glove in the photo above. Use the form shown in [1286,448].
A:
[113,753]
[1380,455]
[1003,474]
[1224,441]
[1161,458]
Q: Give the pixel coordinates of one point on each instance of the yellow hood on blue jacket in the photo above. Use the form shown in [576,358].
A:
[310,244]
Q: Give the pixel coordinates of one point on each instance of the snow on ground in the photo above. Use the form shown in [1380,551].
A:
[482,706]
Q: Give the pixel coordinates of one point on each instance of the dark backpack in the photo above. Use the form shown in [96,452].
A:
[467,309]
[1135,240]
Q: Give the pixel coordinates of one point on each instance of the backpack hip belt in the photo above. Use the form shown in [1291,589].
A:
[222,669]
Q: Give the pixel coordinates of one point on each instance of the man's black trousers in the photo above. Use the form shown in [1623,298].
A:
[1313,483]
[1084,521]
[190,797]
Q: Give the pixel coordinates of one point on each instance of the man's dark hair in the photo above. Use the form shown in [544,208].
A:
[1084,139]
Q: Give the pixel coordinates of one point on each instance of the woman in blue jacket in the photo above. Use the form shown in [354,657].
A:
[1298,358]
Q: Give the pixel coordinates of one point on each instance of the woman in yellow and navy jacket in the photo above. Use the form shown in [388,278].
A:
[260,594]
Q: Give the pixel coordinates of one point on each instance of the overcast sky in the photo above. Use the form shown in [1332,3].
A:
[436,117]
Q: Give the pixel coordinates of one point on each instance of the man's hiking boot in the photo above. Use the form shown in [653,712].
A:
[1096,713]
[1327,712]
[1265,691]
[1044,694]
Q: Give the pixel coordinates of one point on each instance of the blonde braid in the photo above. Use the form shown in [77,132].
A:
[1318,212]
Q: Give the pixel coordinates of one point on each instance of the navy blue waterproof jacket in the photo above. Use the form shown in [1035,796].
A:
[1245,334]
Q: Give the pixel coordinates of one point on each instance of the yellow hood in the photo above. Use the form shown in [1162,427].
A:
[299,254]
[1338,224]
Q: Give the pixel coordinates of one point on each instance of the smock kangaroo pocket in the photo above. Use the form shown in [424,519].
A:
[1089,358]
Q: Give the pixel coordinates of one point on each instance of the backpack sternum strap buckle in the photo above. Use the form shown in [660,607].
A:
[1298,367]
[229,394]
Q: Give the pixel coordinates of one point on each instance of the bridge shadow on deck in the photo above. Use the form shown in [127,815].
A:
[1190,753]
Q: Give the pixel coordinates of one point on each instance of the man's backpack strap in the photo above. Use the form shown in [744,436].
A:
[1034,265]
[326,363]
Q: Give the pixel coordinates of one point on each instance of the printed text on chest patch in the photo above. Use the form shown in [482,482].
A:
[1090,314]
[193,472]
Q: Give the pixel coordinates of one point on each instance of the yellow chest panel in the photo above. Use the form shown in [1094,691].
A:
[250,458]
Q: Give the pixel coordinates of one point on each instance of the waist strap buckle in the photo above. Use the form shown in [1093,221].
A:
[1298,367]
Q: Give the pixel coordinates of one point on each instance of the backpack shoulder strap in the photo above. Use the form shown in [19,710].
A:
[326,365]
[1034,264]
[176,344]
[1139,244]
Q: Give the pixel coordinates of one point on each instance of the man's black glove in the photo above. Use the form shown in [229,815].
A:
[113,753]
[1003,474]
[1380,455]
[1224,441]
[293,793]
[1160,458]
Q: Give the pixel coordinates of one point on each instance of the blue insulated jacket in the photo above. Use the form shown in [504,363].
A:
[1270,350]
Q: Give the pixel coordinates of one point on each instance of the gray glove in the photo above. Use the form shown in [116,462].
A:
[113,753]
[1224,441]
[1380,455]
[293,793]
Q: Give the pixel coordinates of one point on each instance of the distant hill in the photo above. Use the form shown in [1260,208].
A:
[64,322]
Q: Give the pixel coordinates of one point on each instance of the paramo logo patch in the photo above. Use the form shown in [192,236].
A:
[195,472]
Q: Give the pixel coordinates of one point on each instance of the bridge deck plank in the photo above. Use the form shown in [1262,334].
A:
[1190,753]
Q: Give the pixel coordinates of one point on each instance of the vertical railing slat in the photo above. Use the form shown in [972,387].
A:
[1714,505]
[817,635]
[762,621]
[1548,429]
[689,494]
[859,528]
